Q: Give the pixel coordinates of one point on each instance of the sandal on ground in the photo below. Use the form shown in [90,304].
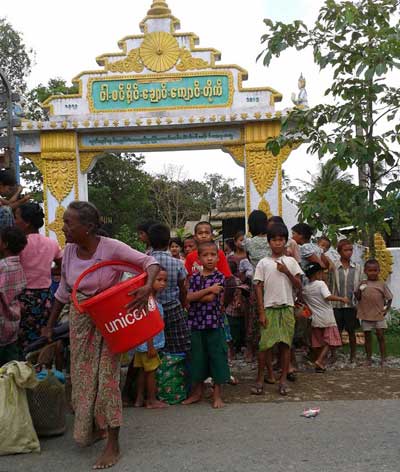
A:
[291,376]
[319,369]
[282,390]
[258,389]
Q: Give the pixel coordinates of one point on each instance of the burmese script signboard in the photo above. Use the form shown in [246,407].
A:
[158,139]
[173,91]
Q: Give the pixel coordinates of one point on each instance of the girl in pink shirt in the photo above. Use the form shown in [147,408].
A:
[36,259]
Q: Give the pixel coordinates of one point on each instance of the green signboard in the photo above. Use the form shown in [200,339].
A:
[164,93]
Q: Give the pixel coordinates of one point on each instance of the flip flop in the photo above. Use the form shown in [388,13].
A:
[320,370]
[258,389]
[282,390]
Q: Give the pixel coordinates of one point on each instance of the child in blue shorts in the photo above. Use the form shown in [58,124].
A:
[209,351]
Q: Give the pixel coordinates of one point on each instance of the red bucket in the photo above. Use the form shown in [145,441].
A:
[121,329]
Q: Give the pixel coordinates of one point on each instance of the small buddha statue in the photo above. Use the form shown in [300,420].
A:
[301,101]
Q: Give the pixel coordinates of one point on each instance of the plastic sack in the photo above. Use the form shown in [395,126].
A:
[47,405]
[17,434]
[171,378]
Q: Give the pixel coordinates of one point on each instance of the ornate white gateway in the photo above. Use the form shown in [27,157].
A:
[160,92]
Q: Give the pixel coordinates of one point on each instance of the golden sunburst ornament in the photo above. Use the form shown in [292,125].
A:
[159,51]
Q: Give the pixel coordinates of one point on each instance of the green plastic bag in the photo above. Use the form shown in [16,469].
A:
[171,379]
[17,434]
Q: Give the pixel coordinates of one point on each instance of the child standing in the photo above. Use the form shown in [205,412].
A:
[276,277]
[173,298]
[325,334]
[375,300]
[175,248]
[346,280]
[209,348]
[147,358]
[12,284]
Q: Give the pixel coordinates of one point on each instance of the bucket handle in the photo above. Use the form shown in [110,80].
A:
[95,267]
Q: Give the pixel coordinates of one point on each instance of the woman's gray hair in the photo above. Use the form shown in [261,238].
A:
[88,214]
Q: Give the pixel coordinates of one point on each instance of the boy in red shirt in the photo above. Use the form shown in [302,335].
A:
[203,234]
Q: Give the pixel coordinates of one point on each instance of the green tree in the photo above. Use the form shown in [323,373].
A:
[222,192]
[39,94]
[328,202]
[360,42]
[178,199]
[15,57]
[120,190]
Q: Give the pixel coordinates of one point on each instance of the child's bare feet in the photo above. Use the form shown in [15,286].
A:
[195,398]
[108,458]
[139,403]
[218,403]
[156,404]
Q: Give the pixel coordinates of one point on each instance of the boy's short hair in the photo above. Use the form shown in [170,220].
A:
[370,262]
[188,238]
[277,230]
[14,238]
[257,222]
[325,238]
[313,269]
[159,236]
[7,177]
[145,225]
[202,246]
[202,223]
[342,243]
[304,230]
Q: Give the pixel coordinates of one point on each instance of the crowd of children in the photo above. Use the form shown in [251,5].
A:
[254,297]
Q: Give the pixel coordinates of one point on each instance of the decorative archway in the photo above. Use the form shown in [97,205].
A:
[160,92]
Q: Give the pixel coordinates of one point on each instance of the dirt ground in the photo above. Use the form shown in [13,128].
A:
[345,383]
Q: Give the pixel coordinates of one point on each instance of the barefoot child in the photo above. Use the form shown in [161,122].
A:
[276,277]
[12,284]
[147,359]
[209,348]
[346,280]
[325,334]
[375,300]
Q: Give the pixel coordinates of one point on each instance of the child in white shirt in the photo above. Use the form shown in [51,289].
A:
[325,334]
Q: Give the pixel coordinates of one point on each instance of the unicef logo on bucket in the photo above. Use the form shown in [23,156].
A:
[125,320]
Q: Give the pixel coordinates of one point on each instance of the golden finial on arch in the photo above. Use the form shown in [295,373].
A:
[159,8]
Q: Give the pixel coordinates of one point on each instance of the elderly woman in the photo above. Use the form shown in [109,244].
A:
[36,259]
[95,371]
